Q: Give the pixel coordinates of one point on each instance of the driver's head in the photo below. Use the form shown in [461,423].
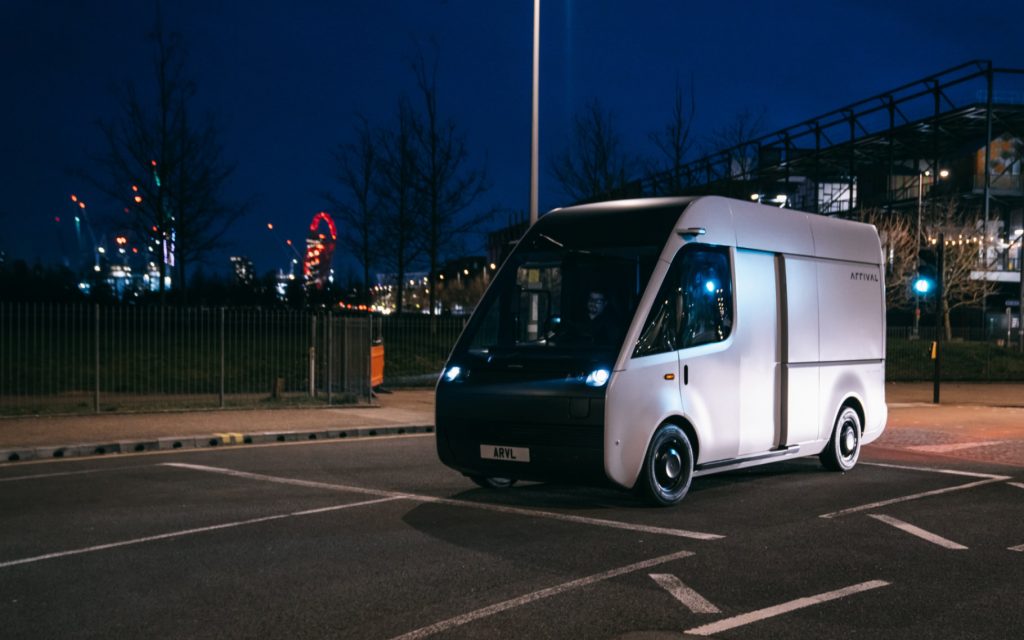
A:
[596,303]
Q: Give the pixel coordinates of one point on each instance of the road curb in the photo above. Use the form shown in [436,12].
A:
[170,443]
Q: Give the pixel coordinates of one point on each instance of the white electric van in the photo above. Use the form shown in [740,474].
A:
[728,334]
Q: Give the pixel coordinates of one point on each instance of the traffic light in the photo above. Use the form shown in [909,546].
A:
[925,279]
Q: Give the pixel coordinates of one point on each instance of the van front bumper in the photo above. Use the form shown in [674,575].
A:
[562,429]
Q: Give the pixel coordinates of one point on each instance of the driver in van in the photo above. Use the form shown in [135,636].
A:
[599,327]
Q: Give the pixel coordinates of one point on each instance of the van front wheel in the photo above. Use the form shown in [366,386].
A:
[668,466]
[843,448]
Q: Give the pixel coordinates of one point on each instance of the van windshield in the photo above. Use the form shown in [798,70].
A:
[571,285]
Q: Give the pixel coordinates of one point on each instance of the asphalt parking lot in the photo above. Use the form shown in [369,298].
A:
[373,538]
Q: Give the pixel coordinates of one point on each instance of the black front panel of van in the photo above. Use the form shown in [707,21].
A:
[559,424]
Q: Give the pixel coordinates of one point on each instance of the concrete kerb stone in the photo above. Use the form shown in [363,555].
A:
[170,443]
[17,455]
[139,446]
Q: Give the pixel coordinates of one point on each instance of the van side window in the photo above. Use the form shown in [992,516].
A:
[694,305]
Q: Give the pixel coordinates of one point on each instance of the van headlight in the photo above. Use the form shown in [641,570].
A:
[452,373]
[598,377]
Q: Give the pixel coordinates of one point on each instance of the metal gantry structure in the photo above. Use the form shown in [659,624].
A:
[883,152]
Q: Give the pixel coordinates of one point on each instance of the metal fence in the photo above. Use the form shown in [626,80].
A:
[416,347]
[57,358]
[970,355]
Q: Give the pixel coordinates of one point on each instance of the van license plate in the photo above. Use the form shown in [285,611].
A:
[509,454]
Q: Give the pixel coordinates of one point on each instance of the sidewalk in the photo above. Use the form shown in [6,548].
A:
[43,437]
[974,422]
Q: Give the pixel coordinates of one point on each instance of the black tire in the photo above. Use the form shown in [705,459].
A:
[488,482]
[668,467]
[843,448]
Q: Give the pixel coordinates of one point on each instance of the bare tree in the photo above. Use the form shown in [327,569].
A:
[734,139]
[358,166]
[593,165]
[963,284]
[400,197]
[447,185]
[167,169]
[673,143]
[899,248]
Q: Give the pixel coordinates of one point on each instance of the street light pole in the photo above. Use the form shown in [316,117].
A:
[939,315]
[535,136]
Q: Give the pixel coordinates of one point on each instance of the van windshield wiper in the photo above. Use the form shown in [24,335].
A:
[551,240]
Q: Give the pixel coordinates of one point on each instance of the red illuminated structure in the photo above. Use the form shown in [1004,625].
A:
[319,250]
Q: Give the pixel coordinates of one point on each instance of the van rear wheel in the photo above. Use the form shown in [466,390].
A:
[489,482]
[668,466]
[843,448]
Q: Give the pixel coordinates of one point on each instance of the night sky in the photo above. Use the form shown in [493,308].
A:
[286,80]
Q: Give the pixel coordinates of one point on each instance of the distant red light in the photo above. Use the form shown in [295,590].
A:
[74,198]
[138,199]
[81,205]
[56,218]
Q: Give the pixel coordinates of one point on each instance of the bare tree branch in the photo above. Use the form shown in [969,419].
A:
[448,186]
[673,143]
[593,165]
[358,166]
[168,171]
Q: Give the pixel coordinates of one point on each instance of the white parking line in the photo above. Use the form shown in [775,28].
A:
[771,612]
[1019,485]
[916,496]
[684,594]
[67,473]
[188,532]
[465,618]
[950,472]
[918,531]
[1019,547]
[598,522]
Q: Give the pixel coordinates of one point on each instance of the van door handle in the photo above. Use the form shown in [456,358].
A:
[686,374]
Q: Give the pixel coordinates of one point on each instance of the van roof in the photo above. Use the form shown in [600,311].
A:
[761,227]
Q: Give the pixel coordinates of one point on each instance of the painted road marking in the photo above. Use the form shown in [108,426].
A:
[917,531]
[188,532]
[1019,485]
[954,446]
[988,479]
[68,473]
[684,594]
[771,612]
[598,522]
[951,472]
[228,438]
[458,621]
[1019,547]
